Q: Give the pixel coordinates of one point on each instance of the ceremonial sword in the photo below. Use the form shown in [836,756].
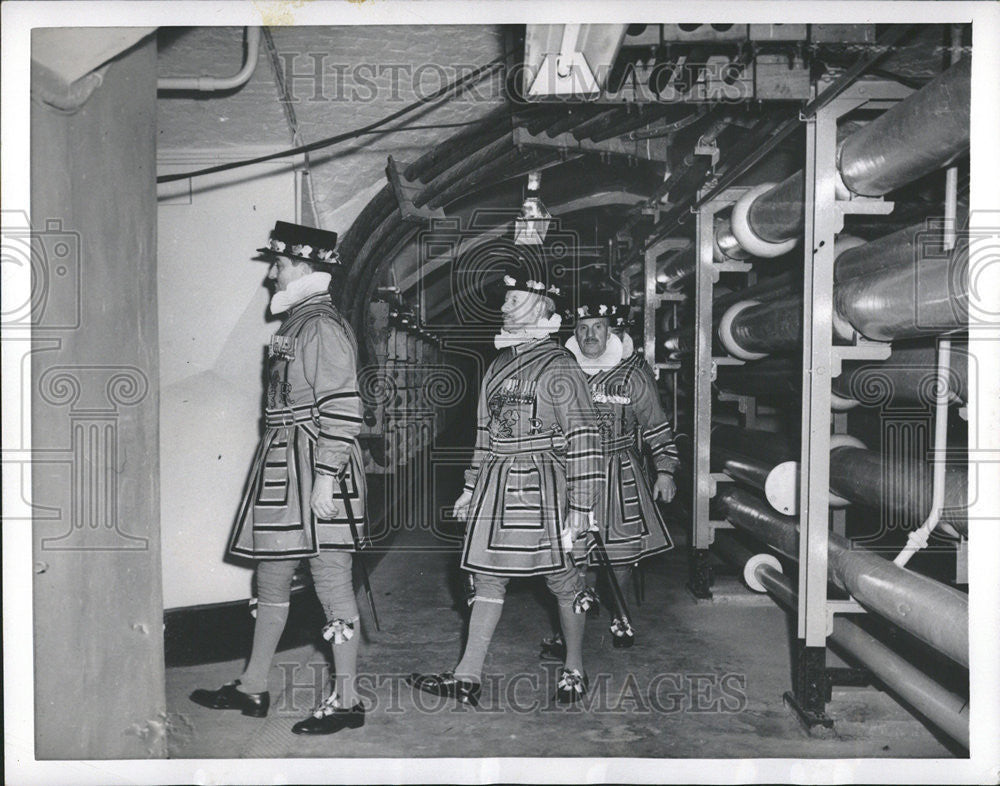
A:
[342,478]
[621,625]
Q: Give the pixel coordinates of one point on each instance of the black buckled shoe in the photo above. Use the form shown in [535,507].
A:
[255,705]
[553,648]
[447,684]
[329,718]
[572,686]
[622,634]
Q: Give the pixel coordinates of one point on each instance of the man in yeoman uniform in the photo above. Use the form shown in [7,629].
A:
[531,487]
[305,497]
[624,393]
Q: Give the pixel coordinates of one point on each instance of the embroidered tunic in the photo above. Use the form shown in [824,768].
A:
[629,410]
[537,454]
[312,417]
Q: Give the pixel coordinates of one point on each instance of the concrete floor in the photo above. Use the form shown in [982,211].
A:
[705,679]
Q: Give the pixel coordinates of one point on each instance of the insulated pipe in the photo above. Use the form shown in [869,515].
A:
[767,461]
[908,377]
[931,611]
[861,476]
[777,213]
[212,84]
[724,245]
[894,303]
[906,302]
[920,134]
[947,710]
[896,250]
[679,267]
[765,445]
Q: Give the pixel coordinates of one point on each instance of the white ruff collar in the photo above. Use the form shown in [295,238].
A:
[628,346]
[542,328]
[301,288]
[610,358]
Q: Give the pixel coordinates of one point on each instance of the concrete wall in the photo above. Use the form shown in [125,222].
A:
[212,305]
[214,324]
[98,634]
[365,73]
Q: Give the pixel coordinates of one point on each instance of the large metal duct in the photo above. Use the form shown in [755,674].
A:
[862,476]
[931,611]
[919,135]
[923,133]
[889,304]
[906,301]
[947,710]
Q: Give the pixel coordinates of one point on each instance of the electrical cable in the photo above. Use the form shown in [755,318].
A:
[468,79]
[293,122]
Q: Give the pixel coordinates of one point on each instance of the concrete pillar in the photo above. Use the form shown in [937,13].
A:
[98,612]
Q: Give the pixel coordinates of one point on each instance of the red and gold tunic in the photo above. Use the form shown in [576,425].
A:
[312,418]
[537,454]
[629,411]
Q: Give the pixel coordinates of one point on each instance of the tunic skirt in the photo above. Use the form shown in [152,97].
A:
[537,456]
[312,419]
[628,407]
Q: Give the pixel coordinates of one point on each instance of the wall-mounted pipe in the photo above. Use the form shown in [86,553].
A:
[906,378]
[947,710]
[212,84]
[931,611]
[922,133]
[917,539]
[768,462]
[862,476]
[919,135]
[893,303]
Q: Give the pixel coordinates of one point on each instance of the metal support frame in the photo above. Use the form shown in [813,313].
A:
[821,361]
[654,299]
[706,275]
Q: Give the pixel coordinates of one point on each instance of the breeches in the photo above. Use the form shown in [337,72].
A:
[565,585]
[331,572]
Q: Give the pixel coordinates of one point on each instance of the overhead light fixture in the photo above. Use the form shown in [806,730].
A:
[531,226]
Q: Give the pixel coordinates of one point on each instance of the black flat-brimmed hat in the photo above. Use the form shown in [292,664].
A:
[601,305]
[306,244]
[536,287]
